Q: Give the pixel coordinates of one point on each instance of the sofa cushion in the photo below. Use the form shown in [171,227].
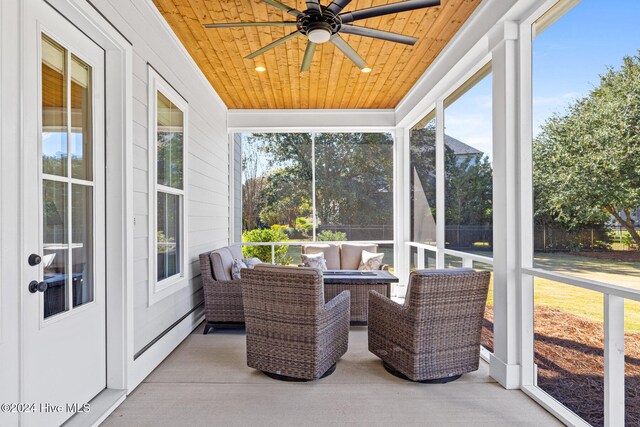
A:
[331,253]
[371,261]
[222,262]
[351,254]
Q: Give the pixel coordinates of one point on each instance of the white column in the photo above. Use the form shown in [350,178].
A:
[613,361]
[401,208]
[503,44]
[440,187]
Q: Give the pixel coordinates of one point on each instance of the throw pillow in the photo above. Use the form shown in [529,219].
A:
[238,265]
[371,261]
[314,261]
[251,262]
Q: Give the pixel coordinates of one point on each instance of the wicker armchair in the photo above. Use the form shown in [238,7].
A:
[435,335]
[291,333]
[222,295]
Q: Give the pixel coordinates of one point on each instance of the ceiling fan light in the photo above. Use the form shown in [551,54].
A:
[366,70]
[319,35]
[261,68]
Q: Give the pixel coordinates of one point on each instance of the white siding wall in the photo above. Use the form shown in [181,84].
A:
[207,202]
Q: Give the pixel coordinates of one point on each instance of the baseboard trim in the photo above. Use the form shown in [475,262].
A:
[154,355]
[163,333]
[508,376]
[101,407]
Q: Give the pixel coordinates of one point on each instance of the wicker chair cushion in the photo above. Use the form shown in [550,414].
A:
[351,255]
[236,251]
[222,263]
[331,253]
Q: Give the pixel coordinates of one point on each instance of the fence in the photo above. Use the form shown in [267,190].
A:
[469,236]
[548,238]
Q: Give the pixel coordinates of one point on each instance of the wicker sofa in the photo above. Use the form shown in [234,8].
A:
[292,334]
[345,256]
[222,295]
[435,335]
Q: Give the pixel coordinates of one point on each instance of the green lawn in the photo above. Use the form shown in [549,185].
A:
[572,299]
[581,301]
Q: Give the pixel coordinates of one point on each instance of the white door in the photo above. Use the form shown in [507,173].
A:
[64,325]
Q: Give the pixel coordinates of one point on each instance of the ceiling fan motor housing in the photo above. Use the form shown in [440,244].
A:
[313,21]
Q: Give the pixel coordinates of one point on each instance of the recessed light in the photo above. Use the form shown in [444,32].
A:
[366,70]
[261,68]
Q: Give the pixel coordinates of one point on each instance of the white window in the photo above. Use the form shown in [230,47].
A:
[167,167]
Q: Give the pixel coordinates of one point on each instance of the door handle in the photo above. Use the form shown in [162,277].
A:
[35,286]
[34,259]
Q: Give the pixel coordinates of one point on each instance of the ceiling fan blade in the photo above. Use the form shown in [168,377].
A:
[308,56]
[350,52]
[251,24]
[284,7]
[387,9]
[378,34]
[314,5]
[273,44]
[336,6]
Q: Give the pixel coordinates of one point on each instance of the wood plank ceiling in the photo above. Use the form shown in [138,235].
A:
[333,81]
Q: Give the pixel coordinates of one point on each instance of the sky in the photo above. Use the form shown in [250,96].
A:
[568,57]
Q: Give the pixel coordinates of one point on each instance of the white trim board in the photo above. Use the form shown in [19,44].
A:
[310,120]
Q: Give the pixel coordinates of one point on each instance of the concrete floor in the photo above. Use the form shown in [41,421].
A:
[205,382]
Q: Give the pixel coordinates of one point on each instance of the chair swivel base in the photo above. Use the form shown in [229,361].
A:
[298,380]
[393,371]
[212,326]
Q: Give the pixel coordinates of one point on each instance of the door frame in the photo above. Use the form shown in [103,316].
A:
[118,181]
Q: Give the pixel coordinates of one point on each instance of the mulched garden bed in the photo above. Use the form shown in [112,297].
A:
[625,256]
[569,355]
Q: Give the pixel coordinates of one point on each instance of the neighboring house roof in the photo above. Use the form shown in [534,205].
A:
[460,148]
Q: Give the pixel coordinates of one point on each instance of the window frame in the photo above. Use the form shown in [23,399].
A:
[160,289]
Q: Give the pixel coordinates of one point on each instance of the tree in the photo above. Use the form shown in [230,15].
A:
[284,200]
[587,161]
[468,189]
[252,187]
[468,180]
[354,177]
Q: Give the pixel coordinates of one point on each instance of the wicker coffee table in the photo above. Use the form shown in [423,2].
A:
[359,283]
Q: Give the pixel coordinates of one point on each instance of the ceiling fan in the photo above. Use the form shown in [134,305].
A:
[321,24]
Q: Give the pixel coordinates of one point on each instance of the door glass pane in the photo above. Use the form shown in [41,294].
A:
[54,108]
[81,141]
[55,246]
[168,235]
[170,133]
[82,243]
